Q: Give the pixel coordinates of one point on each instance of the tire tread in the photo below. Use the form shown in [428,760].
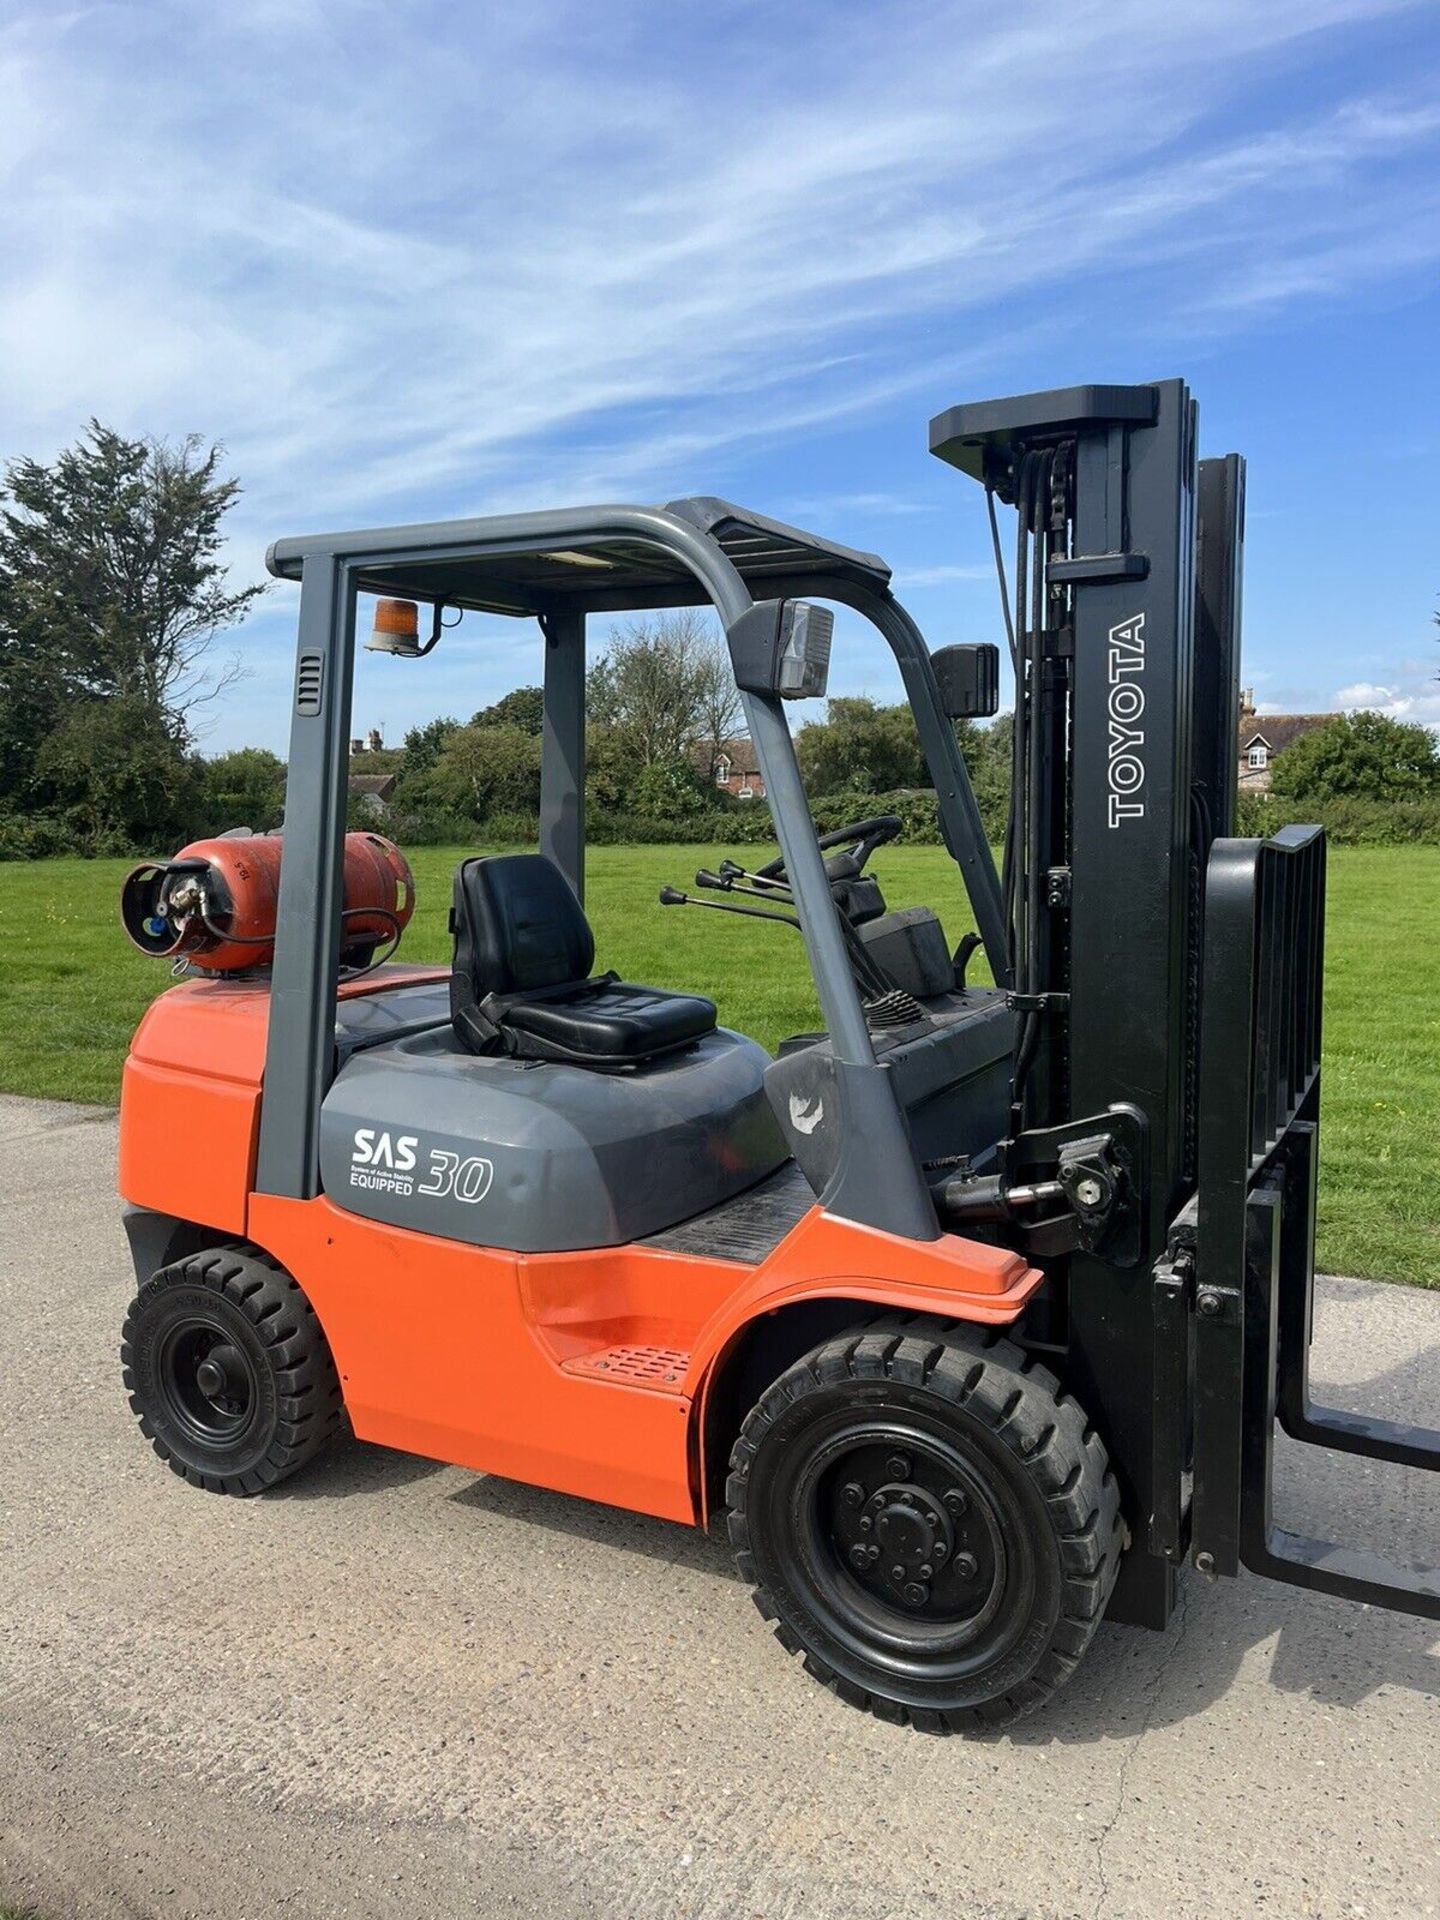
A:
[309,1400]
[1022,1405]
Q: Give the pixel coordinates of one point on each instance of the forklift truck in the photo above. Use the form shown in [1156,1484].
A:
[975,1312]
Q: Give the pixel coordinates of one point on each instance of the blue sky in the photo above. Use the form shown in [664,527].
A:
[411,260]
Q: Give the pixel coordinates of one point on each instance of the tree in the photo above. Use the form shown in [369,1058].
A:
[523,708]
[718,700]
[669,790]
[110,571]
[988,752]
[246,788]
[480,771]
[610,770]
[424,745]
[1359,756]
[661,683]
[863,747]
[118,776]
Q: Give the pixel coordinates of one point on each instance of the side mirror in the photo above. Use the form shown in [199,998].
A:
[969,678]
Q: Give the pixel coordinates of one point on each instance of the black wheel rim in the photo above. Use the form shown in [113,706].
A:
[906,1543]
[208,1384]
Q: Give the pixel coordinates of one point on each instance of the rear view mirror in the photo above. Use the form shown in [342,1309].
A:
[969,678]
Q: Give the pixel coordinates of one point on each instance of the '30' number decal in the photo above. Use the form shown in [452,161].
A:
[466,1179]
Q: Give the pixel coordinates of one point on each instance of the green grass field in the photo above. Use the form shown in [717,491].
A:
[72,989]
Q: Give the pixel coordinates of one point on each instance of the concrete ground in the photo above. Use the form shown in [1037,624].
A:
[396,1688]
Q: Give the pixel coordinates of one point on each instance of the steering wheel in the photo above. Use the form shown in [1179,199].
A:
[858,843]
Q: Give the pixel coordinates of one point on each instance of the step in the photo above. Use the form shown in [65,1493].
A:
[661,1369]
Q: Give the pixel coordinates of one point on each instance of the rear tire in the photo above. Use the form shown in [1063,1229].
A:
[929,1521]
[228,1371]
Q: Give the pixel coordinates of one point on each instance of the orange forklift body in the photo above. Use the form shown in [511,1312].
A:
[585,1372]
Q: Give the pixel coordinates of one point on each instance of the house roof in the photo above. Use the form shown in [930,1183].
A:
[1278,731]
[739,752]
[382,785]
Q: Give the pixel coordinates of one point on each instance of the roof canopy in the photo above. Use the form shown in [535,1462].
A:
[525,564]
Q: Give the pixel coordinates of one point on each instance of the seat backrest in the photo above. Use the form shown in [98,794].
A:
[518,926]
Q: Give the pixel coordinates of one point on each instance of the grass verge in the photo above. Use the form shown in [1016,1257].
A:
[72,989]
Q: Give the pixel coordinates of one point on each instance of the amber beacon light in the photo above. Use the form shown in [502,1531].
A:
[396,628]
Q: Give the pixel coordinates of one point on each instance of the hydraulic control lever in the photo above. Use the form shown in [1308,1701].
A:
[884,1005]
[672,897]
[730,877]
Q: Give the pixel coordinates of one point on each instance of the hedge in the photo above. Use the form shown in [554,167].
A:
[1349,823]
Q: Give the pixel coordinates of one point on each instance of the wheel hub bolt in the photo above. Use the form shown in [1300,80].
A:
[927,1573]
[956,1501]
[938,1551]
[966,1565]
[898,1466]
[866,1523]
[897,1572]
[915,1595]
[860,1557]
[852,1494]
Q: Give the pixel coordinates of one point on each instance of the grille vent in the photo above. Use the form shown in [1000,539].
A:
[309,683]
[662,1368]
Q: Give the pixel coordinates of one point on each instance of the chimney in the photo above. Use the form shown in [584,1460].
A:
[373,742]
[357,746]
[1247,703]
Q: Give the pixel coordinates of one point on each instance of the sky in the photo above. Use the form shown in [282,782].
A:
[410,261]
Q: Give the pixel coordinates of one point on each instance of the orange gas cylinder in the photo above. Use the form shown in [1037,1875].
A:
[214,904]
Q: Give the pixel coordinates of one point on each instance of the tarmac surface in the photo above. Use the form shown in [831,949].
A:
[398,1688]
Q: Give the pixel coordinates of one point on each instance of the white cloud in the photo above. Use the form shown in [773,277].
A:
[1415,696]
[1362,694]
[940,575]
[825,506]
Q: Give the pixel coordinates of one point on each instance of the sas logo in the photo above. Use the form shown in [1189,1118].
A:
[383,1162]
[374,1149]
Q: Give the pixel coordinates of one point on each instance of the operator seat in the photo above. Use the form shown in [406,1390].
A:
[521,982]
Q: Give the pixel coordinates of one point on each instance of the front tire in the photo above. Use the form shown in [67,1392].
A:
[228,1371]
[929,1521]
